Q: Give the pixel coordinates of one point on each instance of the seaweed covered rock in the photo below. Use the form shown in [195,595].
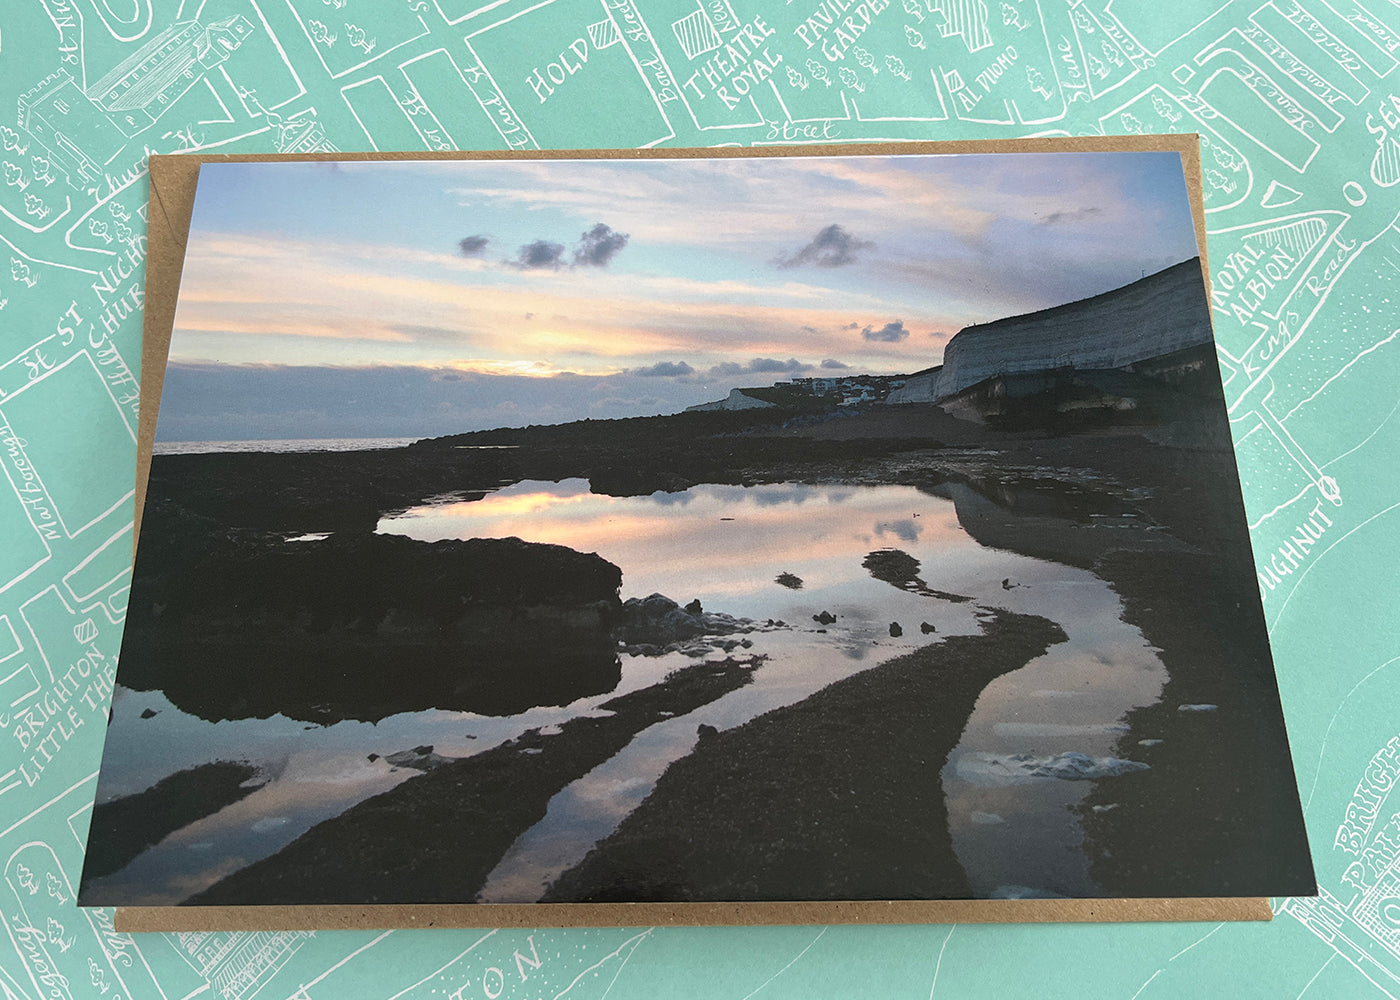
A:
[370,625]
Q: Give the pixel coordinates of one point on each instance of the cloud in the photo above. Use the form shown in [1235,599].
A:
[830,363]
[890,333]
[598,246]
[832,247]
[1069,218]
[472,246]
[666,368]
[541,255]
[758,366]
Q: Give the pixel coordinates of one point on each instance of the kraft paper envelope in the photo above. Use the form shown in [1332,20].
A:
[173,180]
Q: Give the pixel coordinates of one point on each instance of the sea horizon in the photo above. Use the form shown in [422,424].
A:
[282,445]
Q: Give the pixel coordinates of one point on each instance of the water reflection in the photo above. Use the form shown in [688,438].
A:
[732,548]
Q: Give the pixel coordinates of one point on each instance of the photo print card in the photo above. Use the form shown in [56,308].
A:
[840,528]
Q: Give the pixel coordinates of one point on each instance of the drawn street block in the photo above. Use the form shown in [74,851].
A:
[1228,177]
[389,122]
[544,60]
[25,520]
[17,686]
[450,98]
[346,40]
[104,573]
[1240,90]
[67,448]
[1290,48]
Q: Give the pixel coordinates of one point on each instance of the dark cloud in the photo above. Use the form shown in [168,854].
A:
[851,326]
[666,368]
[473,246]
[830,363]
[774,365]
[758,366]
[1068,218]
[890,333]
[541,255]
[598,246]
[832,247]
[808,329]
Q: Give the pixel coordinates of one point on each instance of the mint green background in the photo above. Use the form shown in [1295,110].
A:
[1297,105]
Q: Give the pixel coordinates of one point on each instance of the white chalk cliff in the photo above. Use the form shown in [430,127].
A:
[1157,315]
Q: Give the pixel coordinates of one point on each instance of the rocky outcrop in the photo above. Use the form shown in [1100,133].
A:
[656,624]
[1159,315]
[370,625]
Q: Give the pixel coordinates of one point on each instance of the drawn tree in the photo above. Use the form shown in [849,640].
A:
[818,71]
[34,205]
[356,34]
[56,889]
[1037,82]
[914,37]
[11,140]
[911,7]
[321,33]
[336,4]
[97,977]
[1165,110]
[42,170]
[19,271]
[125,234]
[850,79]
[796,79]
[1111,52]
[26,877]
[1130,123]
[1222,156]
[1011,17]
[864,57]
[118,211]
[98,228]
[14,176]
[1219,181]
[896,66]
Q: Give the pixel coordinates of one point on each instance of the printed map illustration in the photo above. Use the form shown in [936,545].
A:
[1297,103]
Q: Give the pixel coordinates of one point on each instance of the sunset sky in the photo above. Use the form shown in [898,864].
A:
[415,298]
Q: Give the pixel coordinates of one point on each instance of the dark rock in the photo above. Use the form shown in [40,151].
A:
[926,628]
[825,618]
[895,630]
[366,626]
[150,713]
[372,757]
[419,758]
[656,624]
[899,569]
[790,580]
[705,732]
